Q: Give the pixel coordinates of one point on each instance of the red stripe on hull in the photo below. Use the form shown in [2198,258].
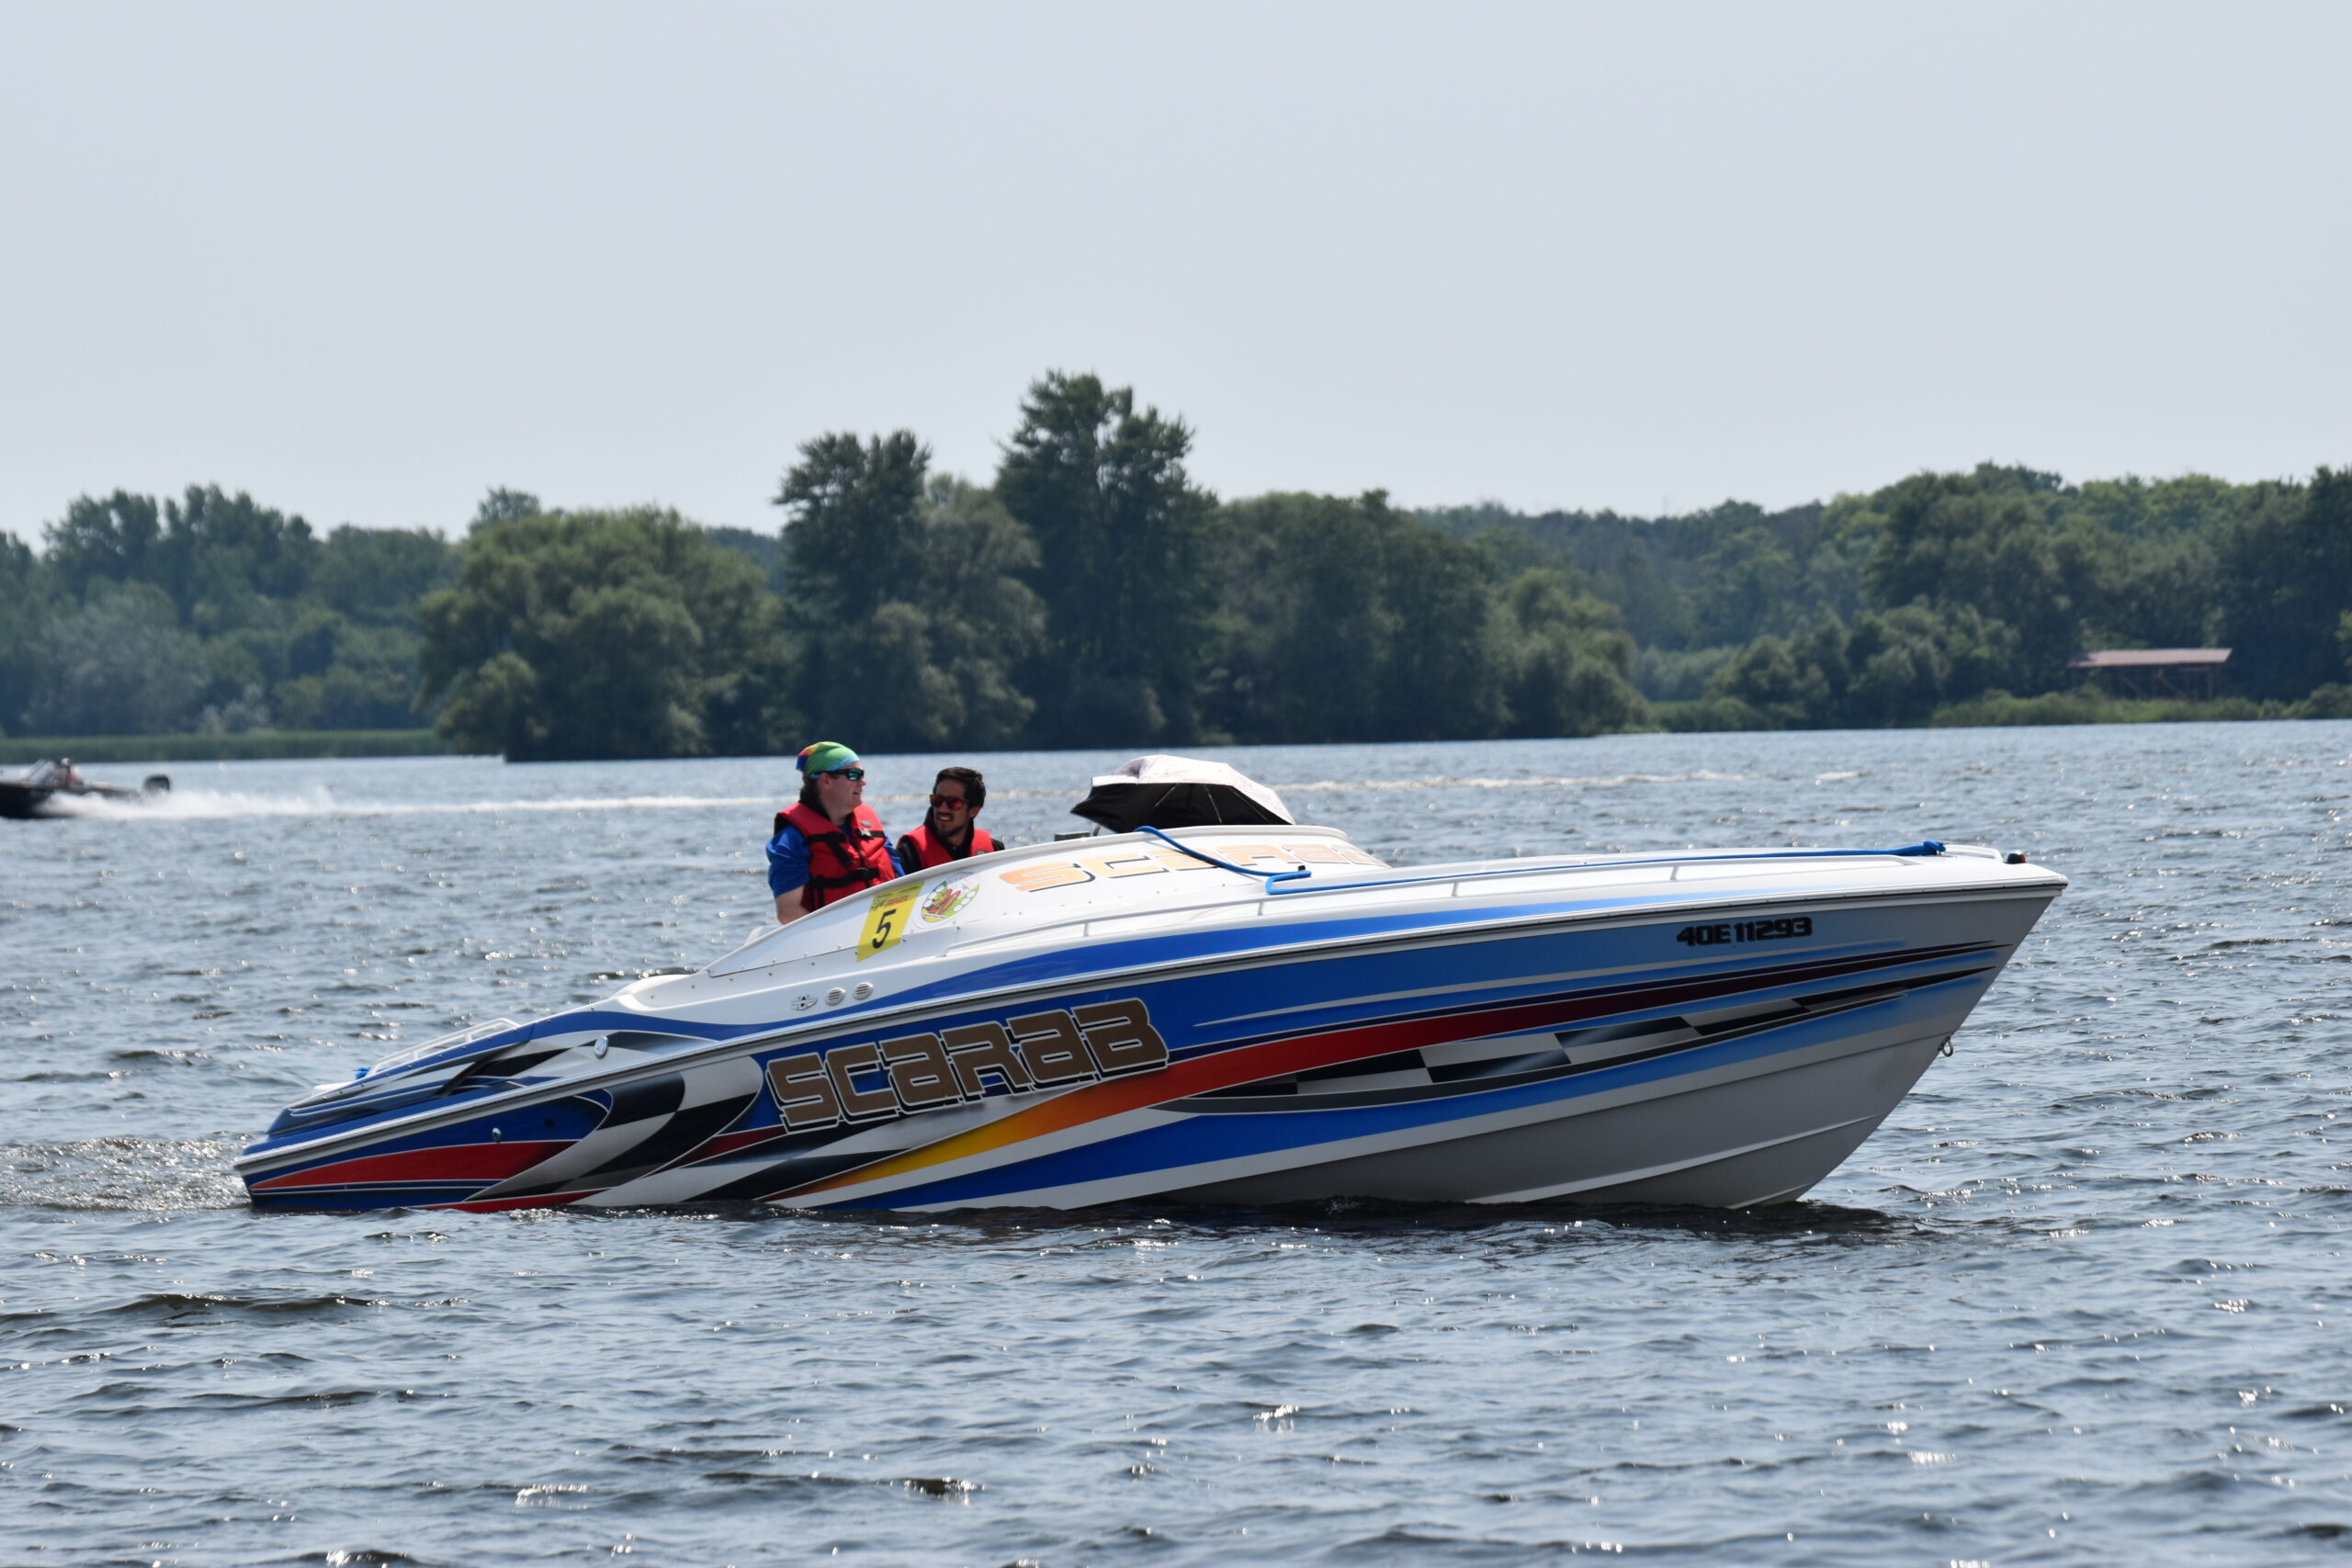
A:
[455,1162]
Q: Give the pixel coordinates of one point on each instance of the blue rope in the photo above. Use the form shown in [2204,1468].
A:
[1271,876]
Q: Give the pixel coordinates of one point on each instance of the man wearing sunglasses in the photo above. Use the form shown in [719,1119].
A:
[829,846]
[948,831]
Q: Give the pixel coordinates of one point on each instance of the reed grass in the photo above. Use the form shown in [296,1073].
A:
[253,745]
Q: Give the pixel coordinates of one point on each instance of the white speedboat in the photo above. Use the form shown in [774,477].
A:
[1238,1014]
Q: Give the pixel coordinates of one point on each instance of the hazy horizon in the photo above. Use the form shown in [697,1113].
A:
[368,262]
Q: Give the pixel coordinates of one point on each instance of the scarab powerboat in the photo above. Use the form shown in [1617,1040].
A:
[1241,1014]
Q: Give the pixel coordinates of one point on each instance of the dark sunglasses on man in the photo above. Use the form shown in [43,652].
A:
[855,775]
[950,802]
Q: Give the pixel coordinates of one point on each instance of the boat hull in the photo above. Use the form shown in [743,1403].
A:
[22,803]
[25,803]
[1740,1144]
[1562,1050]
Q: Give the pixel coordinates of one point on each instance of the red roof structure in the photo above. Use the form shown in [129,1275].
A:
[2141,658]
[2153,672]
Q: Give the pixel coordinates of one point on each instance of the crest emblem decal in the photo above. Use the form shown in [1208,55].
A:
[948,899]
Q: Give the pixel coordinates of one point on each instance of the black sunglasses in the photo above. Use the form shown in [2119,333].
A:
[943,801]
[855,775]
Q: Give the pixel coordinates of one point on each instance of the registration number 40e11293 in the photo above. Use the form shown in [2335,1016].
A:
[1722,932]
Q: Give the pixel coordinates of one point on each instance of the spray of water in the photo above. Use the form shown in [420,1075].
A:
[196,805]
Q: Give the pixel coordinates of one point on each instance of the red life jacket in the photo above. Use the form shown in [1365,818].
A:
[929,849]
[839,863]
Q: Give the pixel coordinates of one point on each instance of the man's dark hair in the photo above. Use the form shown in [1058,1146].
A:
[975,788]
[809,792]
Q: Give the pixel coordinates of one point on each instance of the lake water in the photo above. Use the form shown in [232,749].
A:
[2084,1298]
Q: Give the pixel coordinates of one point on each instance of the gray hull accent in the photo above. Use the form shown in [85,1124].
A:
[1736,1145]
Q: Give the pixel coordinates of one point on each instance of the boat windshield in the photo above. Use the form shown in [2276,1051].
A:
[39,773]
[831,928]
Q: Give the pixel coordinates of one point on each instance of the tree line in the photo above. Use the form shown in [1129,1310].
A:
[210,612]
[1092,593]
[1880,608]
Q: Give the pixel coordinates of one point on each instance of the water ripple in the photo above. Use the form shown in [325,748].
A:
[2081,1300]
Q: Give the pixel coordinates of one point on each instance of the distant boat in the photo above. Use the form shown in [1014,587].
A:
[43,790]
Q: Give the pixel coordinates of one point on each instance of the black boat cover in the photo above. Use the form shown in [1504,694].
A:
[1179,792]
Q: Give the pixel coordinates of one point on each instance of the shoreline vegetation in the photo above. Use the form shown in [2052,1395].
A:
[1686,717]
[1091,595]
[256,744]
[1715,715]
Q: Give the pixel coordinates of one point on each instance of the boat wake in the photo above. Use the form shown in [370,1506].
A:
[202,805]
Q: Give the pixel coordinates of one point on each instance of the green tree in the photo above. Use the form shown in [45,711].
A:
[376,576]
[1998,540]
[1774,679]
[853,536]
[113,540]
[119,664]
[220,554]
[1444,677]
[500,505]
[347,675]
[1837,553]
[1745,587]
[1125,544]
[603,634]
[766,550]
[272,605]
[1656,612]
[906,598]
[1894,667]
[1348,620]
[985,622]
[26,607]
[852,546]
[1901,664]
[345,657]
[1570,662]
[2285,584]
[1306,627]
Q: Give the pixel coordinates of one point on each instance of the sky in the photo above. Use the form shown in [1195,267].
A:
[367,261]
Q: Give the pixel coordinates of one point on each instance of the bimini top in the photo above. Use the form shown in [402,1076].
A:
[1179,792]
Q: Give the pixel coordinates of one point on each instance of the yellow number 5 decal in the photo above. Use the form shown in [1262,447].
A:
[886,922]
